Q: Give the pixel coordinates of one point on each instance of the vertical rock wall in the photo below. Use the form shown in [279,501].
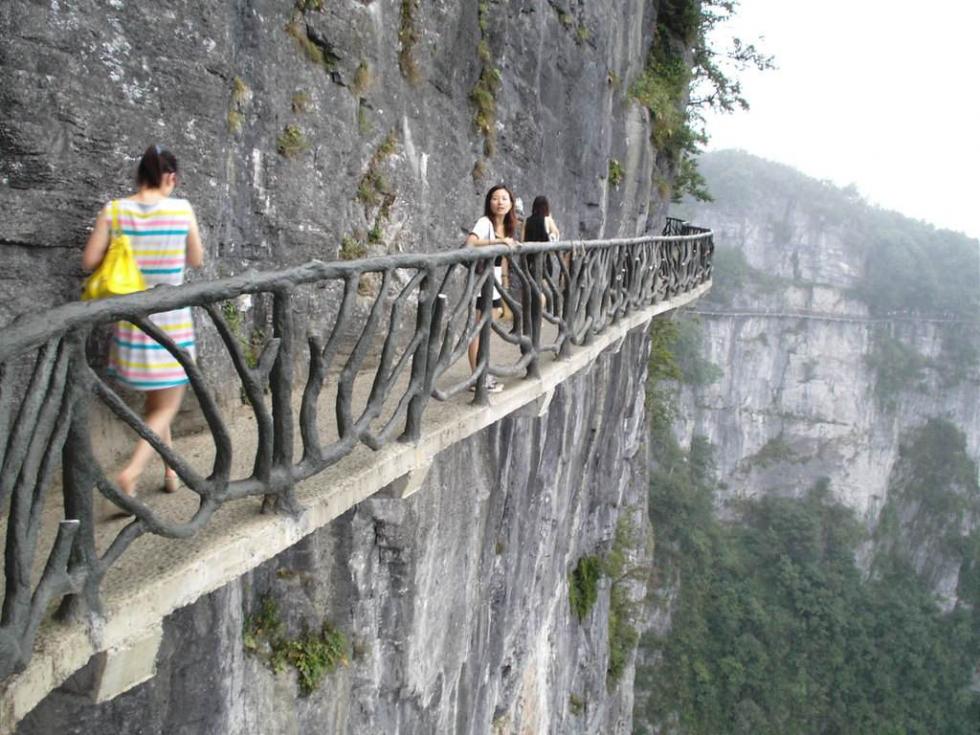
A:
[455,600]
[279,112]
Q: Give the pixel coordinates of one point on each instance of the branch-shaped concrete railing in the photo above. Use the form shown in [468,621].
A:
[409,318]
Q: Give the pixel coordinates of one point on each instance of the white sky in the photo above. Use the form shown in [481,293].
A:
[884,94]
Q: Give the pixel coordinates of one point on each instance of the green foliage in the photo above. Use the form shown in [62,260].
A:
[351,248]
[313,654]
[615,173]
[376,233]
[240,94]
[291,142]
[912,266]
[623,611]
[576,705]
[373,186]
[686,346]
[363,79]
[316,50]
[775,451]
[897,367]
[675,355]
[483,96]
[306,5]
[662,366]
[775,630]
[960,354]
[676,93]
[262,625]
[933,496]
[252,343]
[408,37]
[484,100]
[234,120]
[583,586]
[732,274]
[908,266]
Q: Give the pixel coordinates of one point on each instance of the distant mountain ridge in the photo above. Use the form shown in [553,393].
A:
[829,235]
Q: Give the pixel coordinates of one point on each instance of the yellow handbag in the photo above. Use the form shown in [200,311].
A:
[118,273]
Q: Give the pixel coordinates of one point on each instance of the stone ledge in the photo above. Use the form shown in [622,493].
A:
[249,539]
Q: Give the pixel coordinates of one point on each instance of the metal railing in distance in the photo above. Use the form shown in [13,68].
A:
[407,318]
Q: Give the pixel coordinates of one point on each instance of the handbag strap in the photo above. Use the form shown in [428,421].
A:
[115,217]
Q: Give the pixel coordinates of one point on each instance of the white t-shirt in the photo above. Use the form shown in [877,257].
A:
[483,229]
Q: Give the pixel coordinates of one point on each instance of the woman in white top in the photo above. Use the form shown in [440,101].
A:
[497,226]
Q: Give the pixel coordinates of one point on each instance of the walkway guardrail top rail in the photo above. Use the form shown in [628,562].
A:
[408,318]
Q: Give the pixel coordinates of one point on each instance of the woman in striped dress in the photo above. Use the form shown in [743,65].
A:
[165,238]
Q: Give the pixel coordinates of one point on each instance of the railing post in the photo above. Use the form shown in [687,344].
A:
[281,386]
[481,397]
[532,267]
[427,320]
[78,488]
[569,291]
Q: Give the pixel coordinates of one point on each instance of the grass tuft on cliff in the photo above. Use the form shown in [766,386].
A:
[312,654]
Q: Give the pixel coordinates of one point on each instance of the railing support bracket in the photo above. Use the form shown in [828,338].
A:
[120,669]
[408,484]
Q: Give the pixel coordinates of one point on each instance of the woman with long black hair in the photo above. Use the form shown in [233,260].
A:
[497,226]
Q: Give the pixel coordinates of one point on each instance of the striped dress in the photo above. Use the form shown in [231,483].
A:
[158,233]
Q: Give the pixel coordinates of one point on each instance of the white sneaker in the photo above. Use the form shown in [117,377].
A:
[492,385]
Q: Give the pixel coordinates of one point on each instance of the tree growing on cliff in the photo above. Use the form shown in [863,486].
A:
[688,73]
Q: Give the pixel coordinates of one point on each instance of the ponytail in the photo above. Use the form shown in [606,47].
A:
[156,162]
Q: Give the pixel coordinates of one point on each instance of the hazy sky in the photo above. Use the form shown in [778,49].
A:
[884,94]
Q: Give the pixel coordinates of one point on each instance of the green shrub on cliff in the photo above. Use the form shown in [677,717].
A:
[583,586]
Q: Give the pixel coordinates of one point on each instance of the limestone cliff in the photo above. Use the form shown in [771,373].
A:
[832,364]
[455,602]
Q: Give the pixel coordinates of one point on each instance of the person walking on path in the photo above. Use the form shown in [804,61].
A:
[540,226]
[166,240]
[497,226]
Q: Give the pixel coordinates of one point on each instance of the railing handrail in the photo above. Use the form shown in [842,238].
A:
[29,331]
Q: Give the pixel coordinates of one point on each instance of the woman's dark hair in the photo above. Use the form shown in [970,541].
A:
[156,162]
[540,208]
[510,219]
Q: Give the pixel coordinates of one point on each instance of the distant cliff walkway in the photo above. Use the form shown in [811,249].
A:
[828,317]
[360,381]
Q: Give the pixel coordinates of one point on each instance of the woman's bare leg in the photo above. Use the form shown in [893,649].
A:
[474,349]
[161,407]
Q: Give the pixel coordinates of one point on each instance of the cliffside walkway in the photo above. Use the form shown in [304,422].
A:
[383,338]
[826,317]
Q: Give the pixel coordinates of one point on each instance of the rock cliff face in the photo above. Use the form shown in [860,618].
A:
[816,382]
[455,602]
[299,123]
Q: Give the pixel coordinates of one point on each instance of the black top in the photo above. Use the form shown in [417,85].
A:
[535,229]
